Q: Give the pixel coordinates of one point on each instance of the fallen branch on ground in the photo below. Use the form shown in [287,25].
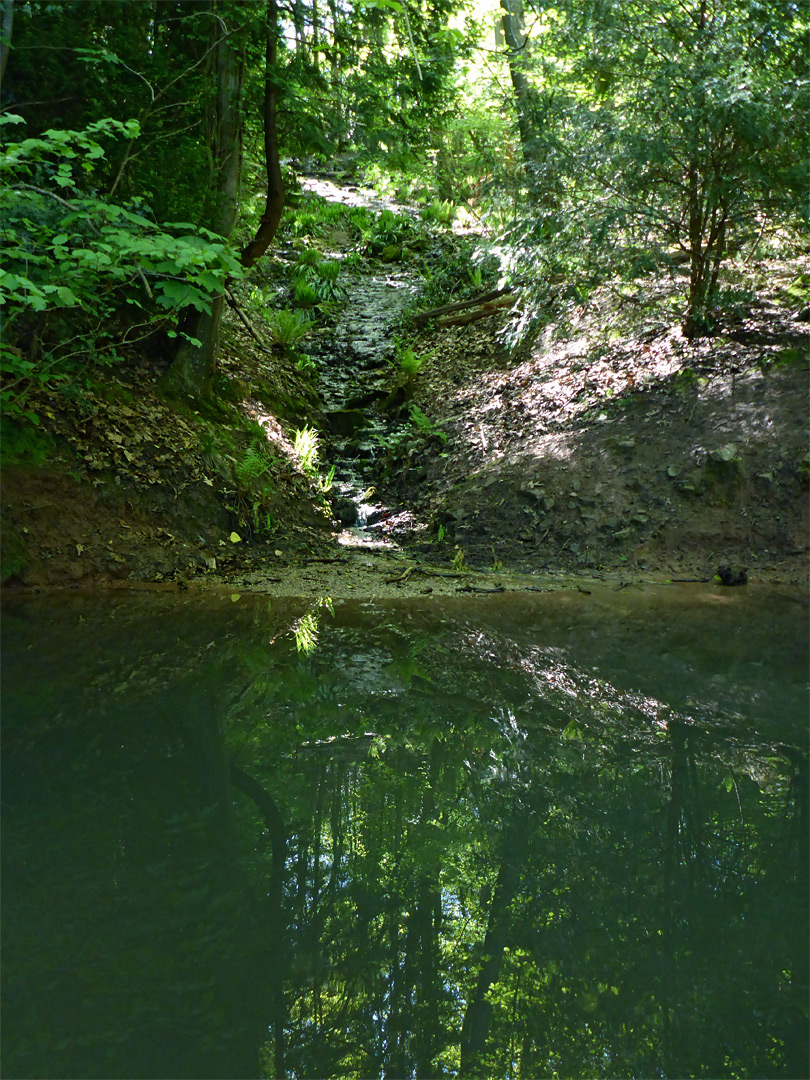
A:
[461,305]
[482,313]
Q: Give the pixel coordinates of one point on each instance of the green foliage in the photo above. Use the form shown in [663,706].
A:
[390,228]
[425,425]
[288,327]
[253,467]
[308,257]
[409,364]
[306,446]
[328,271]
[21,441]
[464,269]
[459,561]
[76,264]
[316,279]
[442,211]
[305,295]
[659,126]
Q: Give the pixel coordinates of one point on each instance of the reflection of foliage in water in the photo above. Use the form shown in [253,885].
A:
[445,848]
[305,630]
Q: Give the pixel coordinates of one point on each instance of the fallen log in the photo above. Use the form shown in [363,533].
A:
[482,313]
[461,305]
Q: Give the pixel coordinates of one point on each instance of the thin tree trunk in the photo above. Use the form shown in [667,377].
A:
[275,186]
[192,371]
[512,22]
[5,38]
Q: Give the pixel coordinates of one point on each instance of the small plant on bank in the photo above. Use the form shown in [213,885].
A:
[307,449]
[409,364]
[390,228]
[425,424]
[304,294]
[459,562]
[305,224]
[288,327]
[442,211]
[306,364]
[253,466]
[306,446]
[353,261]
[326,282]
[254,490]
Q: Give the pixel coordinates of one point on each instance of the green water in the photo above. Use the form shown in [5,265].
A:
[550,836]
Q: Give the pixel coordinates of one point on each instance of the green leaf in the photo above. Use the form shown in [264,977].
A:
[68,298]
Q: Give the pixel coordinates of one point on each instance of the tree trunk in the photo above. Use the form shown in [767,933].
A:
[516,41]
[5,39]
[275,187]
[192,371]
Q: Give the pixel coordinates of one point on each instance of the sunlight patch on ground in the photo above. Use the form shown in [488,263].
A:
[362,540]
[272,428]
[350,195]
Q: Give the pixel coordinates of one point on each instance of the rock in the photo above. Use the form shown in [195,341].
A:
[731,576]
[345,511]
[346,421]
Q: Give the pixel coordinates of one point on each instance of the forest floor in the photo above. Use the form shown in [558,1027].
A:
[612,449]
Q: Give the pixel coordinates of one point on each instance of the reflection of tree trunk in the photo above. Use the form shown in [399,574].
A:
[475,1027]
[423,974]
[684,825]
[271,814]
[202,737]
[422,951]
[278,922]
[336,828]
[394,1064]
[316,915]
[683,854]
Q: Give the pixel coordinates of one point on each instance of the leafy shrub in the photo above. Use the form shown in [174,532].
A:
[254,466]
[425,424]
[308,257]
[78,267]
[391,228]
[328,270]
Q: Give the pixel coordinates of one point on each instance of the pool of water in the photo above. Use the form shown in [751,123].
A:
[558,835]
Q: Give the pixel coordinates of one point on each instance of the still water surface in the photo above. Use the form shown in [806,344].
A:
[548,836]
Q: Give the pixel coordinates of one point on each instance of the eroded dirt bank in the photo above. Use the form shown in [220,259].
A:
[614,450]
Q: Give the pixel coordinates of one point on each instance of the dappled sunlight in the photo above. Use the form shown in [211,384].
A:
[350,194]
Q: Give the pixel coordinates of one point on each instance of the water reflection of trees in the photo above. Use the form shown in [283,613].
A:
[533,875]
[412,853]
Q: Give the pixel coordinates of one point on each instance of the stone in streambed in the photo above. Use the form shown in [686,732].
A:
[346,421]
[345,511]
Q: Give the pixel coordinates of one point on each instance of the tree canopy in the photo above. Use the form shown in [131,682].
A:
[621,136]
